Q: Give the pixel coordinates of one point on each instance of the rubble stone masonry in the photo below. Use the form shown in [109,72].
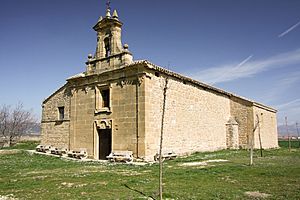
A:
[53,130]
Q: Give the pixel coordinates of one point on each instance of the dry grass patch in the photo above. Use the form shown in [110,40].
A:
[257,195]
[201,163]
[8,197]
[9,151]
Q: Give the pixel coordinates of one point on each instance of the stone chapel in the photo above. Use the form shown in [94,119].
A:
[116,105]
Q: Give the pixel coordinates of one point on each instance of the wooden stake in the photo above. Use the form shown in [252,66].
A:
[251,152]
[287,131]
[260,145]
[161,141]
[252,143]
[298,133]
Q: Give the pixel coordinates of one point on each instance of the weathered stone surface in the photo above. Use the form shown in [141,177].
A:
[55,131]
[267,127]
[194,120]
[241,110]
[232,134]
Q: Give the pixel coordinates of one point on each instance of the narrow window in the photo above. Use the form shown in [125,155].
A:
[105,98]
[107,47]
[61,113]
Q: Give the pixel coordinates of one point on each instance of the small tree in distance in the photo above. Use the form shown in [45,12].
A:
[15,122]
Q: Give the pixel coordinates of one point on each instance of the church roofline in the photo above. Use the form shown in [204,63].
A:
[198,83]
[80,75]
[256,104]
[152,66]
[55,92]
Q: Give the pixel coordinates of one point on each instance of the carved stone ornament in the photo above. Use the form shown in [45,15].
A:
[88,88]
[103,124]
[121,83]
[140,80]
[73,90]
[124,81]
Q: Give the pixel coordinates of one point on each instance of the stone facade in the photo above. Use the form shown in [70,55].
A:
[195,118]
[267,126]
[56,131]
[242,112]
[116,105]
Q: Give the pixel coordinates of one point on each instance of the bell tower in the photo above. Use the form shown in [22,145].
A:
[110,53]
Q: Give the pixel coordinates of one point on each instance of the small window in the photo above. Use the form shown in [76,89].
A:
[107,47]
[61,113]
[105,98]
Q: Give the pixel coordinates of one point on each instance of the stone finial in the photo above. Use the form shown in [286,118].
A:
[108,13]
[90,57]
[126,46]
[115,14]
[100,18]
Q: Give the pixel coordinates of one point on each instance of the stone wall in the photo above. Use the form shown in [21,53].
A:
[241,111]
[121,115]
[195,118]
[55,134]
[82,119]
[128,103]
[267,127]
[54,131]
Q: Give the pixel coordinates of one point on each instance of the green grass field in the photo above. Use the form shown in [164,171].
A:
[294,143]
[274,176]
[26,145]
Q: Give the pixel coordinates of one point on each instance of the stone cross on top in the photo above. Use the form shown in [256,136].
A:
[108,4]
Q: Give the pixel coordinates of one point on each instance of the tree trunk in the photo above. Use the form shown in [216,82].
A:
[10,141]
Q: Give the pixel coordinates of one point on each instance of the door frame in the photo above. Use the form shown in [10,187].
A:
[98,125]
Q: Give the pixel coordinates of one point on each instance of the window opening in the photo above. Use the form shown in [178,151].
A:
[105,98]
[107,47]
[61,113]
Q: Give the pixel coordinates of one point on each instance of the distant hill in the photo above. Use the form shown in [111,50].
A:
[291,129]
[35,130]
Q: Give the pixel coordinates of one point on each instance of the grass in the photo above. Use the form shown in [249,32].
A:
[25,145]
[285,143]
[32,176]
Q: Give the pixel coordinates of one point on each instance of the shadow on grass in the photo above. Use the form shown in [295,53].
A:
[140,192]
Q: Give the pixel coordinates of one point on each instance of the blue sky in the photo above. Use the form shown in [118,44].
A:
[248,47]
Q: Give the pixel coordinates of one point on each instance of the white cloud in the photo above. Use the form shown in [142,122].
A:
[289,104]
[289,30]
[247,68]
[236,67]
[289,109]
[283,85]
